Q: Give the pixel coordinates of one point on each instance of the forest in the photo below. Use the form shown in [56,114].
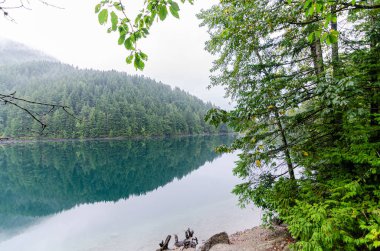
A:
[305,76]
[100,103]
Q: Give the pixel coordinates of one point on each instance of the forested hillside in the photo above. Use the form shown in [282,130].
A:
[105,104]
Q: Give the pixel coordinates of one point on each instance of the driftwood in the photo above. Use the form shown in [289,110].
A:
[189,233]
[164,245]
[189,242]
[178,243]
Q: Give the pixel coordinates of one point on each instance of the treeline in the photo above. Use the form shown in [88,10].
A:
[103,104]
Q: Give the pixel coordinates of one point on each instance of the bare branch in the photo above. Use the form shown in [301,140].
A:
[21,5]
[51,5]
[21,102]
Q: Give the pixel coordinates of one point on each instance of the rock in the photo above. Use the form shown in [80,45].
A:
[221,238]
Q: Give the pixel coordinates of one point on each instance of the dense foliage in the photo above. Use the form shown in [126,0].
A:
[105,104]
[305,76]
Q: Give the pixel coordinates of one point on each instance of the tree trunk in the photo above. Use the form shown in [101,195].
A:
[374,73]
[338,120]
[285,143]
[316,54]
[334,46]
[288,158]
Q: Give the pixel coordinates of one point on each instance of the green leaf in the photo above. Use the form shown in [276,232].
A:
[118,6]
[145,30]
[311,11]
[129,59]
[125,20]
[103,16]
[143,56]
[121,39]
[162,12]
[335,33]
[174,5]
[174,12]
[97,8]
[114,20]
[310,38]
[134,37]
[138,63]
[138,18]
[334,36]
[129,44]
[141,24]
[147,20]
[307,4]
[328,39]
[123,29]
[324,35]
[319,7]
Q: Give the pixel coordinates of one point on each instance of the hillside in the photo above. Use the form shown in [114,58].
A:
[105,103]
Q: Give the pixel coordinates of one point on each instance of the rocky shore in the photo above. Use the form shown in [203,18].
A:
[255,239]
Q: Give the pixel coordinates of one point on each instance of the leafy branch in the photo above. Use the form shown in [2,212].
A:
[131,30]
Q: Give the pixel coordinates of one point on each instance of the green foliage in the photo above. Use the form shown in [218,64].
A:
[307,114]
[132,29]
[103,16]
[342,215]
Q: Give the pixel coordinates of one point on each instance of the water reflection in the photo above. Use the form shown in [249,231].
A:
[115,195]
[38,179]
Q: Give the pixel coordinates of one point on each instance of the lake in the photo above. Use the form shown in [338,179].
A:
[116,194]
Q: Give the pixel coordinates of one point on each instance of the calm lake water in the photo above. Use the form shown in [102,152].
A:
[116,194]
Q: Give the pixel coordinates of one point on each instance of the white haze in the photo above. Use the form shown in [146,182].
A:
[73,35]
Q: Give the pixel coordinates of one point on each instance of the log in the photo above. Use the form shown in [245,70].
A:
[189,233]
[164,245]
[188,242]
[178,243]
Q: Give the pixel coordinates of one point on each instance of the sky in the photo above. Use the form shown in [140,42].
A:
[74,36]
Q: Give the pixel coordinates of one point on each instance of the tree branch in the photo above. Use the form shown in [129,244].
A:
[13,100]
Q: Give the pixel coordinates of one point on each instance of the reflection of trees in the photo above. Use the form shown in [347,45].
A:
[43,178]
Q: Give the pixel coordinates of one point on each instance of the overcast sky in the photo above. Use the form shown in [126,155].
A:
[73,35]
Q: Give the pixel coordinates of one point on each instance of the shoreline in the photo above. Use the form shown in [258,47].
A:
[257,238]
[36,140]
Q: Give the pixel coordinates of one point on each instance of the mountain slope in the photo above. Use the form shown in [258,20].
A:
[105,103]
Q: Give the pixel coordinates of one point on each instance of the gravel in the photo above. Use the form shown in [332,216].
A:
[255,239]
